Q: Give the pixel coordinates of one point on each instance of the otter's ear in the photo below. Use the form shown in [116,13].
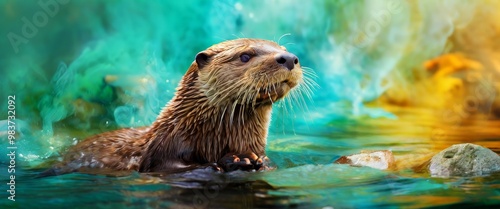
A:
[202,59]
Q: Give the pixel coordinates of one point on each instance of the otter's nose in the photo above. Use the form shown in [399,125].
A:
[288,60]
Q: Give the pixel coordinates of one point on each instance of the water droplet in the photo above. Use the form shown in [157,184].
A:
[238,6]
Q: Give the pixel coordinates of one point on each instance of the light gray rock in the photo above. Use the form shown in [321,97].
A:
[464,160]
[381,160]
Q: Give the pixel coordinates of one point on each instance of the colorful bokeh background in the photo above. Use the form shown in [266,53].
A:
[409,76]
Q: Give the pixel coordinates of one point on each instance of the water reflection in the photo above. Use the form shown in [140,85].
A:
[305,186]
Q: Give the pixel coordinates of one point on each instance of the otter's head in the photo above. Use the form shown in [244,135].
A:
[249,72]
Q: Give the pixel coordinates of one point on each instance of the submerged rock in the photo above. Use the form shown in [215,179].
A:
[381,160]
[464,160]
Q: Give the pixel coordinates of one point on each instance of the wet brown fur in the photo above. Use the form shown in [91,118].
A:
[222,105]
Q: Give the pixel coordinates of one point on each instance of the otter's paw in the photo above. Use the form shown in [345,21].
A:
[247,162]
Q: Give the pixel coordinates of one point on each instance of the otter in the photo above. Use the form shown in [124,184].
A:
[219,116]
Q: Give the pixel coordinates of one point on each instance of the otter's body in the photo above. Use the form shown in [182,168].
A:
[222,108]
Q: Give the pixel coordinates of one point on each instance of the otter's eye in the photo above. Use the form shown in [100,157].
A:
[245,57]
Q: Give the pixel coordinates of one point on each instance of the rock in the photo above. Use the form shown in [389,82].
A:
[381,160]
[464,160]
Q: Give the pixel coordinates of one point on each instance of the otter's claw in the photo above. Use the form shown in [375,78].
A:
[246,162]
